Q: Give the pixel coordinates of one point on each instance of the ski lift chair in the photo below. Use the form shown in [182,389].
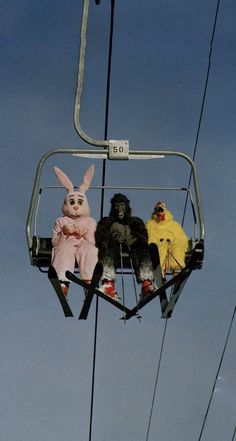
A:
[40,247]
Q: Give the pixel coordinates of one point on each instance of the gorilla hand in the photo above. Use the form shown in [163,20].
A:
[118,232]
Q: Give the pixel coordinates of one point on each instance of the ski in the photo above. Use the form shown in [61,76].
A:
[142,302]
[93,289]
[52,276]
[97,274]
[155,258]
[177,289]
[179,282]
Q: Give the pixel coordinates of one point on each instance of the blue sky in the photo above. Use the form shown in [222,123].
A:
[160,59]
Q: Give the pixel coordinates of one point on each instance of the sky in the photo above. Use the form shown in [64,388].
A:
[159,65]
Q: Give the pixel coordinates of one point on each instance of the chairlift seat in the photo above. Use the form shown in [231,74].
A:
[42,254]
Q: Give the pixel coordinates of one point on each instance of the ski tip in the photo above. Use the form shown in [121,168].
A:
[153,246]
[68,274]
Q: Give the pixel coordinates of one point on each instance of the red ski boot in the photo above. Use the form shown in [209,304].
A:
[147,288]
[108,288]
[65,288]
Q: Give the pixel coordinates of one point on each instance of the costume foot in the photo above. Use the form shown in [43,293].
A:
[108,288]
[65,288]
[147,288]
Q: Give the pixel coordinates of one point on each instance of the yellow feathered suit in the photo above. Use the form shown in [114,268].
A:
[170,238]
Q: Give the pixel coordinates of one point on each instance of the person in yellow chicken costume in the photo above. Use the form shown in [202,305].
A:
[170,238]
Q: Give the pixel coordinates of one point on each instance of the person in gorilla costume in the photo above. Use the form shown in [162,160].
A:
[119,231]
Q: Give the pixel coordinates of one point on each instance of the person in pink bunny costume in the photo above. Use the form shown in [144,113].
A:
[73,234]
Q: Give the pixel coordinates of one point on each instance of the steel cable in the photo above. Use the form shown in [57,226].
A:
[102,205]
[186,200]
[156,381]
[234,434]
[134,284]
[217,374]
[122,279]
[203,103]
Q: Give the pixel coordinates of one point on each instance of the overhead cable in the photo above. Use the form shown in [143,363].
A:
[190,178]
[217,375]
[186,200]
[203,101]
[156,380]
[102,204]
[234,434]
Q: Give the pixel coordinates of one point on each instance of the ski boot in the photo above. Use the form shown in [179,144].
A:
[108,288]
[147,288]
[65,287]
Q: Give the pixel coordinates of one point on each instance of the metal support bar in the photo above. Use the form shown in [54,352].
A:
[80,80]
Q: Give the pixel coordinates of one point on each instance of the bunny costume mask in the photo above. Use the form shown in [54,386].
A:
[73,233]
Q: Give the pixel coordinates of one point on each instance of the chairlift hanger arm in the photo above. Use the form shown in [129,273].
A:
[80,80]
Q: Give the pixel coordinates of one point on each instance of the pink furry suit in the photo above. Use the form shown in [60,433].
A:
[73,233]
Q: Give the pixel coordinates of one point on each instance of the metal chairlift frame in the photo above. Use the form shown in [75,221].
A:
[40,255]
[112,149]
[40,248]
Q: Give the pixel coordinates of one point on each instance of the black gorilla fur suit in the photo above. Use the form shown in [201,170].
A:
[119,231]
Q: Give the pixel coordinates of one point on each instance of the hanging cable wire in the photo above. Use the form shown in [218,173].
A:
[134,284]
[93,371]
[102,205]
[186,200]
[234,434]
[122,278]
[217,374]
[203,103]
[156,381]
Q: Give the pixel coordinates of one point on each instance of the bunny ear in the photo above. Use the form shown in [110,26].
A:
[88,176]
[64,180]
